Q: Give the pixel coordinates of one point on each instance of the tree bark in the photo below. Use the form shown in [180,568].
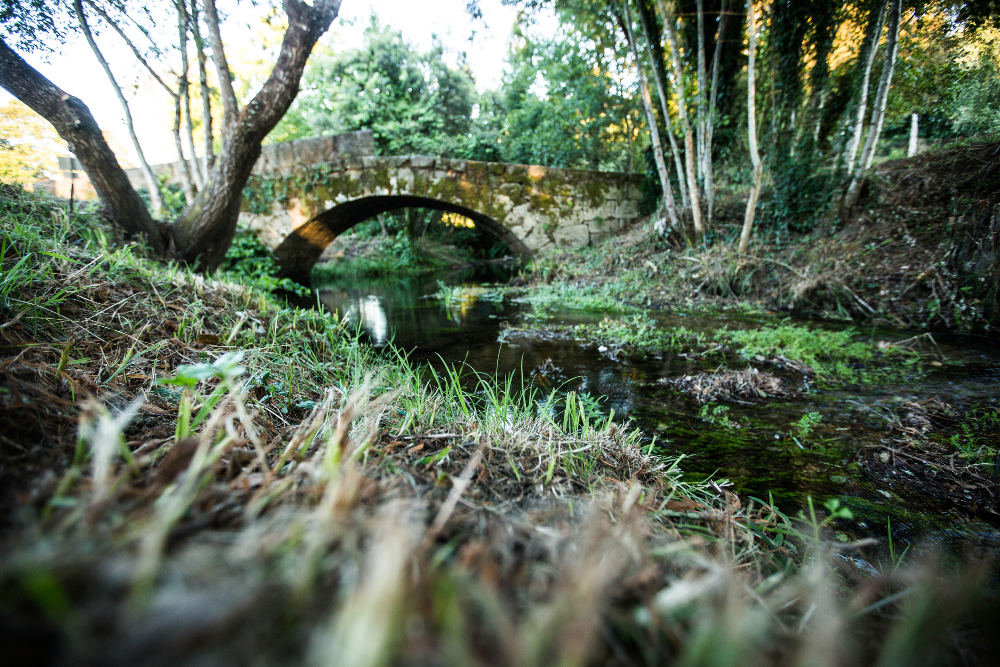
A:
[654,132]
[206,228]
[885,83]
[702,99]
[184,91]
[669,19]
[751,209]
[75,124]
[152,184]
[851,153]
[878,110]
[709,168]
[208,136]
[229,106]
[659,76]
[185,176]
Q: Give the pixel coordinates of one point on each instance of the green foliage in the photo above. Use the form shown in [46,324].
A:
[28,144]
[393,255]
[717,415]
[251,262]
[978,434]
[413,102]
[803,428]
[977,89]
[637,333]
[564,105]
[35,25]
[834,356]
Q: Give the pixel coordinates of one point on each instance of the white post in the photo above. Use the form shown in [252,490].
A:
[911,150]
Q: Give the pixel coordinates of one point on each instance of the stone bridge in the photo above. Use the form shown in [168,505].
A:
[305,193]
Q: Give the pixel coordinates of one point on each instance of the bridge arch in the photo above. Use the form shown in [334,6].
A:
[302,248]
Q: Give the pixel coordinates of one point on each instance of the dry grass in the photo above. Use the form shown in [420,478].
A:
[304,501]
[743,386]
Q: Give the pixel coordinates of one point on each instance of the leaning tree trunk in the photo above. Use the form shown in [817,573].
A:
[878,111]
[208,138]
[654,132]
[229,106]
[655,53]
[75,124]
[206,228]
[862,110]
[669,17]
[758,170]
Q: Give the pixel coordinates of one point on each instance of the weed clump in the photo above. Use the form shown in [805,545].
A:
[831,356]
[744,386]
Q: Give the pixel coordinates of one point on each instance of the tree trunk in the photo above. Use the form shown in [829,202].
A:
[206,228]
[859,121]
[187,182]
[152,185]
[878,110]
[229,107]
[709,179]
[885,83]
[654,132]
[184,91]
[188,179]
[669,19]
[751,209]
[185,176]
[659,76]
[75,124]
[702,99]
[208,137]
[911,148]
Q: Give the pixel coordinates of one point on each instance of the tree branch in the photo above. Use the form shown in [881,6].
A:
[76,125]
[229,107]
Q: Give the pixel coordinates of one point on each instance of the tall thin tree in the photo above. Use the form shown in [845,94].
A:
[670,28]
[152,185]
[748,215]
[878,110]
[654,132]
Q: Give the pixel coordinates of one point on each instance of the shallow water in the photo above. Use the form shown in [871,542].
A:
[758,456]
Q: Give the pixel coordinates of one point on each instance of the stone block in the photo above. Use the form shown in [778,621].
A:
[452,165]
[361,142]
[402,180]
[572,236]
[394,161]
[537,239]
[512,190]
[369,161]
[628,208]
[422,161]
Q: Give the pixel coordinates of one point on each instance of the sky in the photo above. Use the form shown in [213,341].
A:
[75,69]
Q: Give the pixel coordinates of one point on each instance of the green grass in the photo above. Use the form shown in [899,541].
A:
[248,483]
[833,356]
[638,333]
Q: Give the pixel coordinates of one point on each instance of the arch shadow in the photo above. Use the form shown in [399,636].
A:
[302,248]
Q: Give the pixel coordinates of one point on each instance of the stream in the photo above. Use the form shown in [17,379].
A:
[750,446]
